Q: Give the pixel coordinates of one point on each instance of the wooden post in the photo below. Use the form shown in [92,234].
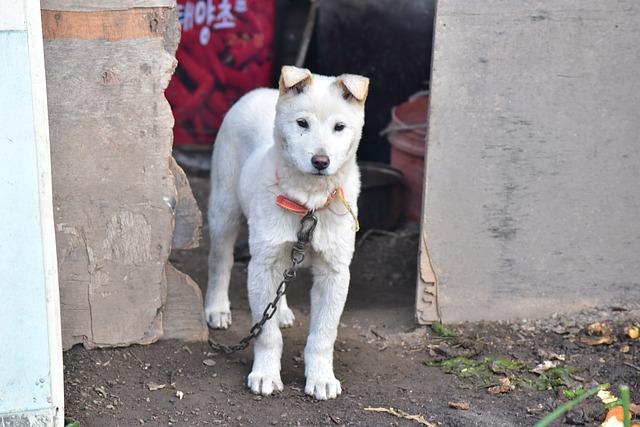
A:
[115,193]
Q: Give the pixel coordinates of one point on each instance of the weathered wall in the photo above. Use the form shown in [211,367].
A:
[114,192]
[533,184]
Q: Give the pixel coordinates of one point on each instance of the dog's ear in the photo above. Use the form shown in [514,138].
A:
[294,78]
[354,87]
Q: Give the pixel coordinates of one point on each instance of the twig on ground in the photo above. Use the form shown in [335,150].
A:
[401,414]
[137,358]
[631,365]
[378,335]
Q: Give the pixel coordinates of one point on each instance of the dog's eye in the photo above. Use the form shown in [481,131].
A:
[338,127]
[303,123]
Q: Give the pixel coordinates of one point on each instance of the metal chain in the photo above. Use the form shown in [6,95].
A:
[305,233]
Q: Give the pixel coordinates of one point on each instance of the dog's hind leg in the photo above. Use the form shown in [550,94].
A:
[217,307]
[225,218]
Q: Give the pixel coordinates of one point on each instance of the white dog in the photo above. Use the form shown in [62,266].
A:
[298,142]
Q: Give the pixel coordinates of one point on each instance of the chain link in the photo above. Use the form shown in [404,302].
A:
[305,233]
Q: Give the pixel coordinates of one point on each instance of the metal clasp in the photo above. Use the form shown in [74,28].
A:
[307,226]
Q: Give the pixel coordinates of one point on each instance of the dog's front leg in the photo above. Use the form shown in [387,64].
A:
[265,374]
[328,296]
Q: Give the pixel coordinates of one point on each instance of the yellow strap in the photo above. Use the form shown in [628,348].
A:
[346,204]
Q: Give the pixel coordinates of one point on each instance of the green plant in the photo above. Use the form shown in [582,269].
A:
[626,405]
[442,331]
[567,406]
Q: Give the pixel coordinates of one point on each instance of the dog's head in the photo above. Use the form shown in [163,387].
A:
[319,119]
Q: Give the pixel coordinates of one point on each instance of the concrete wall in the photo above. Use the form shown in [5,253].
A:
[533,180]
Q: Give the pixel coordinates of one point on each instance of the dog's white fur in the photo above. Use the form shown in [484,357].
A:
[261,151]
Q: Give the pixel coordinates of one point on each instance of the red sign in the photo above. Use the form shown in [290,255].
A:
[226,50]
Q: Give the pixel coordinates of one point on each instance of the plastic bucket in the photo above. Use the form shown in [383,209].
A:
[408,137]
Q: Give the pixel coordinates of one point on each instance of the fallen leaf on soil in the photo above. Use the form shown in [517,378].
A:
[598,328]
[635,409]
[604,332]
[101,391]
[604,340]
[401,414]
[505,386]
[550,355]
[155,386]
[208,362]
[535,410]
[560,330]
[335,420]
[625,349]
[463,406]
[607,397]
[633,332]
[544,366]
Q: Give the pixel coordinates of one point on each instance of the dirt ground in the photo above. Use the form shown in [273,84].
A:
[382,358]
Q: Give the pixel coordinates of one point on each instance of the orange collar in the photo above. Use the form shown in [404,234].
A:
[295,207]
[292,206]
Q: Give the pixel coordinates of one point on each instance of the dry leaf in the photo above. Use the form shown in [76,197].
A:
[155,386]
[606,397]
[401,414]
[335,420]
[463,406]
[625,349]
[635,409]
[208,362]
[505,386]
[604,340]
[604,331]
[599,328]
[538,409]
[544,366]
[101,391]
[550,355]
[633,332]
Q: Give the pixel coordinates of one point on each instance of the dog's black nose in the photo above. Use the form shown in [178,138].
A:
[320,162]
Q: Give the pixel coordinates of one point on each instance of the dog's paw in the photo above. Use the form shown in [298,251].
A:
[323,388]
[285,317]
[264,384]
[218,319]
